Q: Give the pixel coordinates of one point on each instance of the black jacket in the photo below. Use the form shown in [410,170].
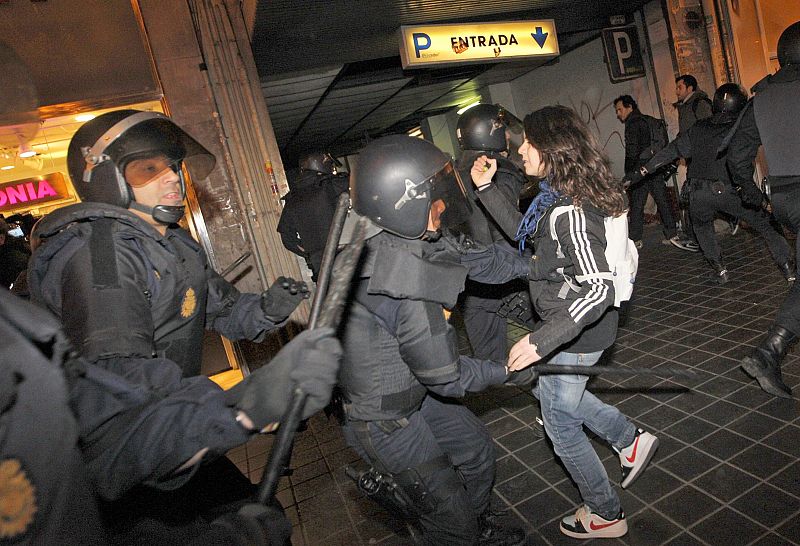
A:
[700,143]
[637,139]
[398,346]
[308,212]
[783,142]
[124,291]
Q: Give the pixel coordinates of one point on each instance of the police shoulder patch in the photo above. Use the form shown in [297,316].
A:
[17,499]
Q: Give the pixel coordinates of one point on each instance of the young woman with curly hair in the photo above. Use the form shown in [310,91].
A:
[565,224]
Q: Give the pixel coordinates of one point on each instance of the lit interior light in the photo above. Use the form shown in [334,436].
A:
[6,167]
[84,117]
[25,151]
[467,107]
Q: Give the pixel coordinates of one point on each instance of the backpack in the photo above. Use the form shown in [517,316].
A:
[696,103]
[621,254]
[658,136]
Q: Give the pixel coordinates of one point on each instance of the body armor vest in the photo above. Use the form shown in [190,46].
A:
[773,105]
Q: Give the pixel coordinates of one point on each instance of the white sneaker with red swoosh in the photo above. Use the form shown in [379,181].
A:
[635,457]
[585,524]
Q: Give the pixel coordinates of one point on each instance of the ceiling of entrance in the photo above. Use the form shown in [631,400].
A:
[331,74]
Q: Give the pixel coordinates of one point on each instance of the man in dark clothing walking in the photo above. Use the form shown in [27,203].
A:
[710,186]
[14,254]
[771,119]
[309,208]
[637,143]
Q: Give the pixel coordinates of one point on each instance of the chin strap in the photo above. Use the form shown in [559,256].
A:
[163,214]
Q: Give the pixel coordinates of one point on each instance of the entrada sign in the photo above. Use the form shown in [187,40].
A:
[426,45]
[30,191]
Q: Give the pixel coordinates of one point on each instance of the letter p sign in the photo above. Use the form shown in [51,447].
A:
[421,41]
[623,56]
[624,51]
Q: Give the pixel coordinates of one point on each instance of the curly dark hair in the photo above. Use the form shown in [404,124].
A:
[571,155]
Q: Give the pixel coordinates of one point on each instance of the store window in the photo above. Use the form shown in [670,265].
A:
[33,172]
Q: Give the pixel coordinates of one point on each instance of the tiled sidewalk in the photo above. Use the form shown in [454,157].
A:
[728,468]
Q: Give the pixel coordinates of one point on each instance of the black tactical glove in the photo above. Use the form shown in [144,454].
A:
[751,195]
[632,179]
[280,299]
[310,361]
[254,525]
[525,377]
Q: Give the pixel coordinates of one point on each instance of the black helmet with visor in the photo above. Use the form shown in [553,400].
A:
[102,148]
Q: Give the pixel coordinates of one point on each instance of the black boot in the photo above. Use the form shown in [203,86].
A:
[720,274]
[764,365]
[494,533]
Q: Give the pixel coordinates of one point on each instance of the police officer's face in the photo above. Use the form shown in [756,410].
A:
[622,111]
[531,159]
[154,181]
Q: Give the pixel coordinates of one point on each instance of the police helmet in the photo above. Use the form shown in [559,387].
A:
[321,162]
[729,100]
[101,148]
[397,178]
[789,45]
[483,127]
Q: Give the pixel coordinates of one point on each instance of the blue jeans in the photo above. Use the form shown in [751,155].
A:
[566,407]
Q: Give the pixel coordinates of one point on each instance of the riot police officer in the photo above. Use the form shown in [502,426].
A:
[134,292]
[401,357]
[710,188]
[485,130]
[309,207]
[770,119]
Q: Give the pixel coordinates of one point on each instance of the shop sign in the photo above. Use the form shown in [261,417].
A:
[433,45]
[33,191]
[623,56]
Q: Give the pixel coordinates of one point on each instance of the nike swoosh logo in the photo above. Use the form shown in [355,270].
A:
[633,455]
[596,527]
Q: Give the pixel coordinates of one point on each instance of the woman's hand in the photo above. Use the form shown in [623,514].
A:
[482,171]
[523,354]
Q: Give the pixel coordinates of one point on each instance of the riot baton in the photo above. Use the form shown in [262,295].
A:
[345,266]
[530,374]
[328,255]
[235,264]
[602,370]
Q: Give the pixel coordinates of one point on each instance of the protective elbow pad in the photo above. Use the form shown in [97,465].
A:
[433,358]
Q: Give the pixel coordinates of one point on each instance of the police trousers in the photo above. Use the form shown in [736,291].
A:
[709,197]
[462,491]
[786,208]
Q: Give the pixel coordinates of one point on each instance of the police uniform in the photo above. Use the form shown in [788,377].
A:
[711,190]
[123,290]
[308,213]
[480,303]
[401,359]
[770,119]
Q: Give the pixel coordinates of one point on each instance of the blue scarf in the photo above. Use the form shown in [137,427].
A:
[543,200]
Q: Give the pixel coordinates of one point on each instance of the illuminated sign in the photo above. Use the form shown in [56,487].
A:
[427,45]
[30,191]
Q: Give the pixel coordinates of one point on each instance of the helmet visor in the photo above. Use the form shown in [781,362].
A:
[446,185]
[141,172]
[161,134]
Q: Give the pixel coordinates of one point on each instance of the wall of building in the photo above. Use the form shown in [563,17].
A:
[580,80]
